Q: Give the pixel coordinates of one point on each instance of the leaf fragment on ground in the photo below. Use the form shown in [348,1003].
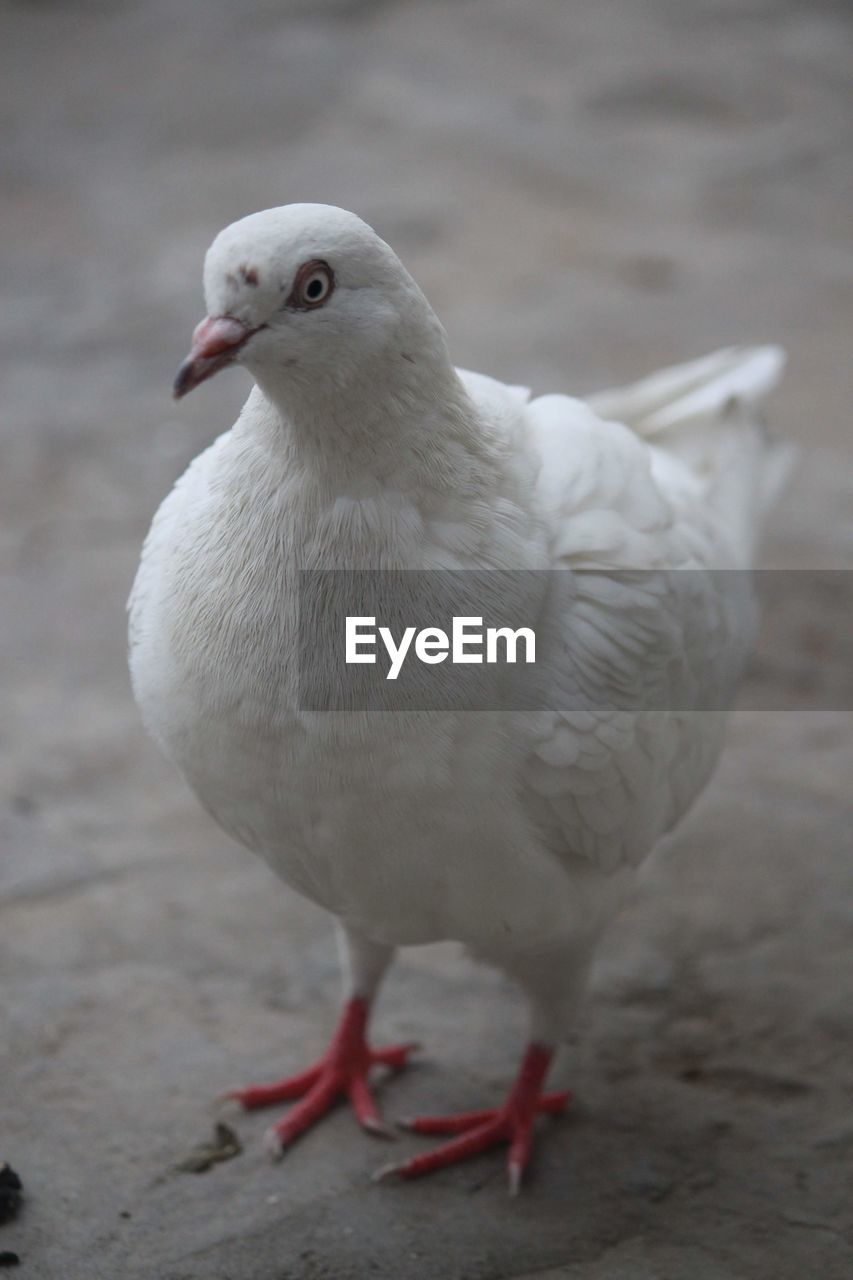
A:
[222,1145]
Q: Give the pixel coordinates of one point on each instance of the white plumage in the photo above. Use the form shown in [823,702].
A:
[360,446]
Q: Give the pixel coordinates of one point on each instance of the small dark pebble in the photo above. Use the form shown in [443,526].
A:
[10,1194]
[9,1259]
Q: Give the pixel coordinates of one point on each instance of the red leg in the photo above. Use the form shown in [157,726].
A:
[478,1131]
[342,1071]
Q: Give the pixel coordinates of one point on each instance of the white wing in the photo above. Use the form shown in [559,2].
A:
[647,660]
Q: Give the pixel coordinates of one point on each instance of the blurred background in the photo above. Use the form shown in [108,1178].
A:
[585,191]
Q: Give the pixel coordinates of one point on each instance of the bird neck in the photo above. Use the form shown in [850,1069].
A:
[406,421]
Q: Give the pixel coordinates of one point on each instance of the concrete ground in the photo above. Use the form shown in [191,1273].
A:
[586,191]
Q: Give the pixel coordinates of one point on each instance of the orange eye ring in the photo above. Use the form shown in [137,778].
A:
[314,285]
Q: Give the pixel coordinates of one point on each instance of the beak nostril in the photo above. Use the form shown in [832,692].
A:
[216,334]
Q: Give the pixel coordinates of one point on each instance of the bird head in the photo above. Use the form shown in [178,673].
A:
[300,294]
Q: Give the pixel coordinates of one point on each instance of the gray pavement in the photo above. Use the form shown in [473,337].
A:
[586,191]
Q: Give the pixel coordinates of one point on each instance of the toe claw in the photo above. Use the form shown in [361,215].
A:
[273,1144]
[386,1172]
[395,1056]
[378,1129]
[228,1095]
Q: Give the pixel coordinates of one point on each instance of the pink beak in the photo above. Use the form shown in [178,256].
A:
[216,342]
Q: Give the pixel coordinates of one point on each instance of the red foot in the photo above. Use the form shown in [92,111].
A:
[480,1130]
[343,1069]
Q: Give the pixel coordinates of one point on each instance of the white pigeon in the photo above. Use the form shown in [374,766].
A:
[360,446]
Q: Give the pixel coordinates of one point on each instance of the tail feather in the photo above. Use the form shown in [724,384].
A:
[673,397]
[704,412]
[746,471]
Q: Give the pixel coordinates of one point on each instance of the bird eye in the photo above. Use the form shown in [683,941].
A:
[314,282]
[316,287]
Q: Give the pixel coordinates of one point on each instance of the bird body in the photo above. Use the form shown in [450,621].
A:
[361,447]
